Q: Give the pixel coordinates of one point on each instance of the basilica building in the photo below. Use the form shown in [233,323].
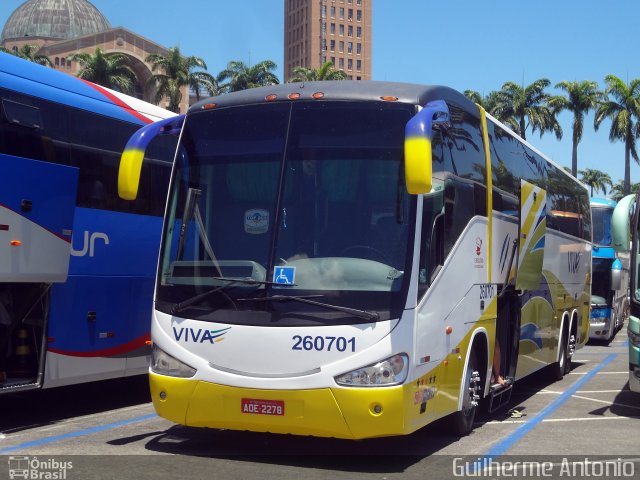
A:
[61,28]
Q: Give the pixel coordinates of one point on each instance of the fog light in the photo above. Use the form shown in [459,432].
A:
[163,395]
[377,409]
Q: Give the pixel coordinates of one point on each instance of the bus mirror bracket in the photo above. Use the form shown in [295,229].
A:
[134,151]
[418,157]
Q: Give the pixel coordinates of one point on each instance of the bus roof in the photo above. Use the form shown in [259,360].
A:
[44,82]
[361,90]
[603,202]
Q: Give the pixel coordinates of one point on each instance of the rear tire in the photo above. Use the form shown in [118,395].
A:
[463,419]
[560,367]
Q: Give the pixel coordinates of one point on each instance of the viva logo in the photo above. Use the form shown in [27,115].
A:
[200,335]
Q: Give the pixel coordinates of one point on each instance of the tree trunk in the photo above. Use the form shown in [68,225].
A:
[627,168]
[574,156]
[522,128]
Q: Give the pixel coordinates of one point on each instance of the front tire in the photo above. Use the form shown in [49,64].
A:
[463,419]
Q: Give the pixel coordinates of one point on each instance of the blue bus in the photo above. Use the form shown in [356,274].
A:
[609,287]
[77,264]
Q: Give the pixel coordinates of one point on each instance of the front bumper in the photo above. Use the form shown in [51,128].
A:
[329,412]
[634,378]
[600,326]
[634,357]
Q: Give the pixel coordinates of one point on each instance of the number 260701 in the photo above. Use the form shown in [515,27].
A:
[320,343]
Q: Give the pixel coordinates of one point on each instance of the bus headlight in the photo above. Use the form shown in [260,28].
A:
[391,371]
[164,364]
[634,338]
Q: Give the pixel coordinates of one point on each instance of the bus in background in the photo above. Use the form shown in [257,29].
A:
[76,262]
[358,259]
[610,281]
[626,235]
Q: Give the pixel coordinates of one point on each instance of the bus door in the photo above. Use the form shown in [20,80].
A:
[37,206]
[531,247]
[528,253]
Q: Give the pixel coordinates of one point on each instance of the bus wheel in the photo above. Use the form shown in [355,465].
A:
[560,367]
[571,349]
[463,420]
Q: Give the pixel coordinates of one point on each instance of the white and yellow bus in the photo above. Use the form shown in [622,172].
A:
[358,259]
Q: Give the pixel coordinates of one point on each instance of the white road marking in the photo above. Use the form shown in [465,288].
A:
[601,373]
[607,403]
[555,420]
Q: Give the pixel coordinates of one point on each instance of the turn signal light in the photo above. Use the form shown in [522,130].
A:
[15,243]
[389,98]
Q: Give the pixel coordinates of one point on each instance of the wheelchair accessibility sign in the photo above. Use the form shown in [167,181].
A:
[284,275]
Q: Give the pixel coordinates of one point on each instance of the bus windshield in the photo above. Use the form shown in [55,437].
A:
[602,226]
[300,199]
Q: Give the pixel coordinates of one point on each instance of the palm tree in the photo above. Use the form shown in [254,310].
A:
[243,77]
[487,102]
[617,190]
[581,97]
[594,178]
[325,72]
[30,53]
[520,108]
[110,70]
[622,107]
[175,72]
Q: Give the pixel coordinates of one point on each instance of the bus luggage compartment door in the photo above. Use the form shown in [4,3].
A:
[37,204]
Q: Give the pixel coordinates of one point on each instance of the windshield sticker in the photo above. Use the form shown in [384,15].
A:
[284,275]
[256,221]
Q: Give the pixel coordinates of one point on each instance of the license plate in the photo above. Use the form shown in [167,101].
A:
[262,407]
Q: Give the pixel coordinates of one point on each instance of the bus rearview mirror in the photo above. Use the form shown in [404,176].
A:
[418,158]
[621,224]
[616,275]
[133,154]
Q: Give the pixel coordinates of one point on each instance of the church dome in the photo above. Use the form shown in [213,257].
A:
[55,19]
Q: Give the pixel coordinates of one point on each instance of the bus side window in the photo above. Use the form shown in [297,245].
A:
[459,209]
[33,128]
[22,130]
[432,241]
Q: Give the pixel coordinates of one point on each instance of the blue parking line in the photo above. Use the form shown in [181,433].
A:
[78,433]
[510,440]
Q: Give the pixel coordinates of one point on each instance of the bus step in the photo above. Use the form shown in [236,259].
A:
[499,396]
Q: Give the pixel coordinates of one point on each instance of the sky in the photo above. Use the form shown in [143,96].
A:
[464,44]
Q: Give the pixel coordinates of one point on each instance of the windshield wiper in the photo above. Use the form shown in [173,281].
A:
[178,307]
[305,299]
[191,210]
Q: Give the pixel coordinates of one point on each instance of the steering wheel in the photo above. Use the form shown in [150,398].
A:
[373,253]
